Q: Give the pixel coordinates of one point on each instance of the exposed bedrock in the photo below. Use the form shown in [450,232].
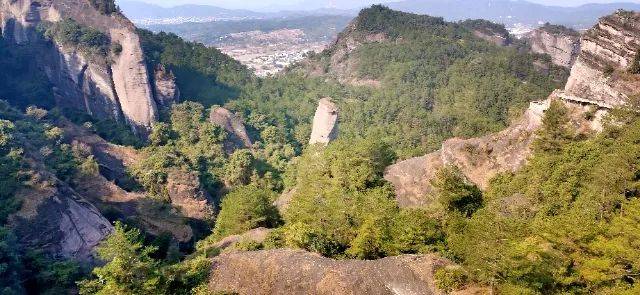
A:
[325,123]
[299,272]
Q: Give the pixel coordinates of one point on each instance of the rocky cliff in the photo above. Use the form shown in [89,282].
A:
[560,43]
[608,49]
[599,81]
[488,31]
[117,86]
[325,123]
[299,272]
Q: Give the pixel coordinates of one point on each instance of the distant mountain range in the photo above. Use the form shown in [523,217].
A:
[511,12]
[144,13]
[508,12]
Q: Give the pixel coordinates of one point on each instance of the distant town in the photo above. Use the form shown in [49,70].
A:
[269,53]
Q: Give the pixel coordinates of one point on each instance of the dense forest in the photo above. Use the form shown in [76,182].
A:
[567,223]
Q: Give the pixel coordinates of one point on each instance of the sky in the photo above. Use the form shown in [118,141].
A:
[274,4]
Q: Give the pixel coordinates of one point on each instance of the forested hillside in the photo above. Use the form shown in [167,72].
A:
[423,81]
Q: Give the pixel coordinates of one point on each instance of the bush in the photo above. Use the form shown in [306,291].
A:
[450,278]
[246,208]
[455,193]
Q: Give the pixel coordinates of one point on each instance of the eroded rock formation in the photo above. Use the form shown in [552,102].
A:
[562,44]
[299,272]
[57,220]
[166,90]
[234,125]
[116,86]
[325,122]
[478,158]
[599,75]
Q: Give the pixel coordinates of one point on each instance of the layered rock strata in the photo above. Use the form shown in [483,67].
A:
[561,44]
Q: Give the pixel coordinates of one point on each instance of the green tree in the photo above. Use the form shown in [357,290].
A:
[555,129]
[129,268]
[455,193]
[246,208]
[239,168]
[10,264]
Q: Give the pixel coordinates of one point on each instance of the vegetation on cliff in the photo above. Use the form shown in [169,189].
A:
[203,74]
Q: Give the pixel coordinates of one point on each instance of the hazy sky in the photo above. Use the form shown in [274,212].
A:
[257,4]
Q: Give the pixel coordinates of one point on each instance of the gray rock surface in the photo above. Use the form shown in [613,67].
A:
[56,219]
[166,90]
[607,51]
[325,122]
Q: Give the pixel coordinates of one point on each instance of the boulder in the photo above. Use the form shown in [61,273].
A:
[234,125]
[299,272]
[325,122]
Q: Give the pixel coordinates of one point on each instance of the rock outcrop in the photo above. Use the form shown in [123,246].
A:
[57,220]
[299,272]
[257,235]
[488,31]
[589,94]
[599,76]
[116,87]
[342,66]
[325,123]
[166,90]
[110,191]
[478,158]
[560,43]
[234,125]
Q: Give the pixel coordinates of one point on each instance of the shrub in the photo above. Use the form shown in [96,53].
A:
[450,278]
[246,208]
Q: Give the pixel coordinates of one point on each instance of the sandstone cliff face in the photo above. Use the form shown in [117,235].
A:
[325,123]
[562,44]
[107,190]
[120,89]
[299,272]
[607,50]
[234,125]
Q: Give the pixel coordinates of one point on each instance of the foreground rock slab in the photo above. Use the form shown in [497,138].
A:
[299,272]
